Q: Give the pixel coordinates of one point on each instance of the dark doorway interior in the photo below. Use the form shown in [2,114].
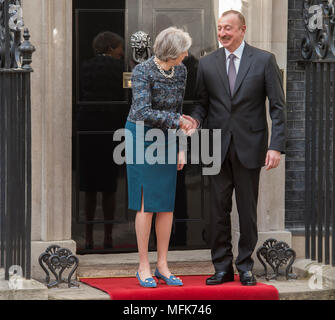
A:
[101,221]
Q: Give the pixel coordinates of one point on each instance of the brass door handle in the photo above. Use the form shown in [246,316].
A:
[126,77]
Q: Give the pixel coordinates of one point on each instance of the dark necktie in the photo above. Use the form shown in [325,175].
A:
[231,73]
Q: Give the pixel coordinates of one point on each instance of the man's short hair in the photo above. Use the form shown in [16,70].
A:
[239,15]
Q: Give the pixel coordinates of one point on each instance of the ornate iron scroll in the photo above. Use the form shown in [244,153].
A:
[56,258]
[319,19]
[140,43]
[276,254]
[11,24]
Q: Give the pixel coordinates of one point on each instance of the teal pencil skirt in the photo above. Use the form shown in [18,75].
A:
[157,181]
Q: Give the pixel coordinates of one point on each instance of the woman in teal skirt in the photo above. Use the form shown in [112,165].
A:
[158,87]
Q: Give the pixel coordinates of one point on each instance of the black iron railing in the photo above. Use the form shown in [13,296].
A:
[318,51]
[15,140]
[320,178]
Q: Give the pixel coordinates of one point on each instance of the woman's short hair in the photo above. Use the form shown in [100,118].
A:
[171,43]
[106,40]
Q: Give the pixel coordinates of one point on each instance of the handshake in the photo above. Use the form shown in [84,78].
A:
[188,124]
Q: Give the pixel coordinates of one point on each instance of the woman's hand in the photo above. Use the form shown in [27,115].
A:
[181,160]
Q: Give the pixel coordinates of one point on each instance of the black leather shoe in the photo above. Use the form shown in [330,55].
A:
[247,278]
[220,277]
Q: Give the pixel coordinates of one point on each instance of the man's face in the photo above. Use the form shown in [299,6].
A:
[231,32]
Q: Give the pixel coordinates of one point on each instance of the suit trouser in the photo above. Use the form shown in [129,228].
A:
[234,175]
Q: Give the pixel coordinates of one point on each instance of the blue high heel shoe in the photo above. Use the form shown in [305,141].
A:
[147,283]
[172,281]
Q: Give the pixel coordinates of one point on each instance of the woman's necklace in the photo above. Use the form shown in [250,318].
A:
[162,71]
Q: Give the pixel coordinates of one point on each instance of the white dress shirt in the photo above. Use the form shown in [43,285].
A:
[238,54]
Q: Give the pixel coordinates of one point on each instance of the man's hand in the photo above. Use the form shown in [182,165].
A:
[185,124]
[272,159]
[193,124]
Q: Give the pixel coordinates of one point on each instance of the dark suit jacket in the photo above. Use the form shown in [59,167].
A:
[242,115]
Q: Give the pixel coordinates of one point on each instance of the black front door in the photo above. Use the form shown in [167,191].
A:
[101,54]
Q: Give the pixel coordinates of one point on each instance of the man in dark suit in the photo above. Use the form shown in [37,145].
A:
[232,85]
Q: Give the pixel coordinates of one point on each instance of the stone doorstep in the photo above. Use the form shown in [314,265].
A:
[129,270]
[126,264]
[320,275]
[299,290]
[84,292]
[30,290]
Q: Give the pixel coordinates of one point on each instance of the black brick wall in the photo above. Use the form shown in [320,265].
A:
[295,151]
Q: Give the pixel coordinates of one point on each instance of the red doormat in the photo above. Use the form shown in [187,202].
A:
[194,288]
